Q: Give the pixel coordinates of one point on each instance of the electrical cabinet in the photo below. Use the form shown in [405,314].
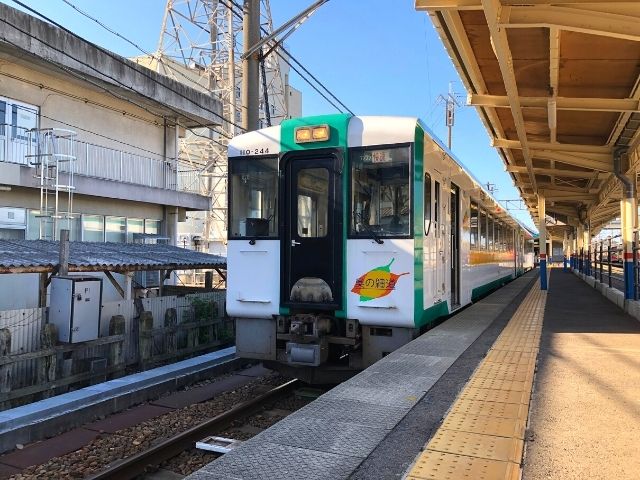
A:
[75,306]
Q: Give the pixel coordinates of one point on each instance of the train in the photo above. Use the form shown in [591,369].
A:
[350,235]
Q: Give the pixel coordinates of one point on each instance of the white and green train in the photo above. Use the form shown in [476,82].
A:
[350,235]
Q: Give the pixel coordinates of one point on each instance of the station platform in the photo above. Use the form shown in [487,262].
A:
[457,402]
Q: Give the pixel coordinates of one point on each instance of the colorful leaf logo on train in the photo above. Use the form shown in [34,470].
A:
[377,283]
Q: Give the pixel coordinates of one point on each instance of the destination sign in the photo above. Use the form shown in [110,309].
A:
[376,156]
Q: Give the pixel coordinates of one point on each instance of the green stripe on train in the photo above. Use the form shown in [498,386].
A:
[486,288]
[432,313]
[418,226]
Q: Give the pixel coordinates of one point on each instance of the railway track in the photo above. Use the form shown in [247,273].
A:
[138,464]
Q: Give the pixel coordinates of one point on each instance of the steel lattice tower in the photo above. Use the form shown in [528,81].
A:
[200,44]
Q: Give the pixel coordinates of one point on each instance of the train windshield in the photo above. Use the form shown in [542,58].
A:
[380,193]
[253,202]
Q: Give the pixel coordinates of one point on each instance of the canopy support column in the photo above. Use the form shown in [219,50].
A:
[542,228]
[565,250]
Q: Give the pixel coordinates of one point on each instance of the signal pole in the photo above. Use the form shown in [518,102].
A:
[250,65]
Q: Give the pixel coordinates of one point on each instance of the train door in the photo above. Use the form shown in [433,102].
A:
[455,244]
[517,249]
[312,248]
[440,233]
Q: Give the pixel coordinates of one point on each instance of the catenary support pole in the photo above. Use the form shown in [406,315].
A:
[250,64]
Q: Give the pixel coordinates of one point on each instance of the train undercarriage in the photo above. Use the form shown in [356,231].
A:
[316,348]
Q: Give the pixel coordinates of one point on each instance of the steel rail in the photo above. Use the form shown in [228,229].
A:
[138,464]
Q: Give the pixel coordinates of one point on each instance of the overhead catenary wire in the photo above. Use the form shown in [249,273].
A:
[287,55]
[119,35]
[223,2]
[117,58]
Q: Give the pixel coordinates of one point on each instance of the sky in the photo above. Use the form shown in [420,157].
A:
[379,57]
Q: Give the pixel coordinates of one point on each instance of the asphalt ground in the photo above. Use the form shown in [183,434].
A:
[585,410]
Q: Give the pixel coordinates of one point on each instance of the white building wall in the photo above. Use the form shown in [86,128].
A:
[80,106]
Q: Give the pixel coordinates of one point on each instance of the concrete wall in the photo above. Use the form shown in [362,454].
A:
[64,102]
[51,47]
[115,120]
[632,307]
[30,198]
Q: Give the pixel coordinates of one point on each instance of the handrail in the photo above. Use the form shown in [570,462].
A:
[98,161]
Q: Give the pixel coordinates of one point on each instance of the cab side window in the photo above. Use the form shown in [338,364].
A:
[427,204]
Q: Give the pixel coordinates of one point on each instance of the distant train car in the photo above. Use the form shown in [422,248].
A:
[349,235]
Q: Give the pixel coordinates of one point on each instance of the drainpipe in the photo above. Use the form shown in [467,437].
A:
[627,220]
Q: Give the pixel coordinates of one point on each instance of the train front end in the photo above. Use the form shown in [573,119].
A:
[321,252]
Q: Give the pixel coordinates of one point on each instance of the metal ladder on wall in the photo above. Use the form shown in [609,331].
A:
[52,152]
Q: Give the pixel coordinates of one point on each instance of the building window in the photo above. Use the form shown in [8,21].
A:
[3,121]
[72,224]
[93,228]
[134,225]
[33,225]
[115,229]
[152,227]
[23,118]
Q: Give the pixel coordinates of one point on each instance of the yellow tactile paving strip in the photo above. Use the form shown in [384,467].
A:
[482,437]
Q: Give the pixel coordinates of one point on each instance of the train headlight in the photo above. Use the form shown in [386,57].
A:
[319,133]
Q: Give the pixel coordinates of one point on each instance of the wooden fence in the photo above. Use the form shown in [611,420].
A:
[197,324]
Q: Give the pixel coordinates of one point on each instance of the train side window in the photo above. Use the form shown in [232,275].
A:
[490,233]
[473,231]
[427,204]
[483,230]
[436,202]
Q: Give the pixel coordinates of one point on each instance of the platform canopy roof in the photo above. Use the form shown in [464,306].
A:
[556,84]
[42,256]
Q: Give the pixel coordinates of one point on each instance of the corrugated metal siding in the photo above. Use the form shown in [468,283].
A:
[103,255]
[25,326]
